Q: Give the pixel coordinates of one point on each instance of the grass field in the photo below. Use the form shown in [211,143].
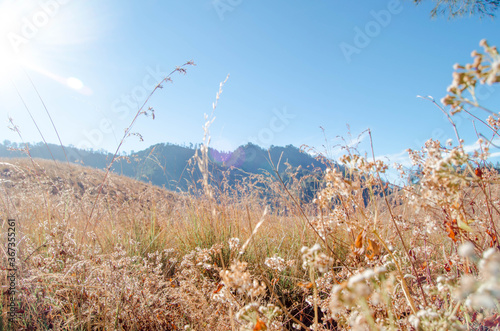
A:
[96,251]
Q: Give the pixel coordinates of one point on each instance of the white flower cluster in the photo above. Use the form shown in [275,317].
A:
[240,279]
[275,263]
[234,244]
[250,315]
[313,259]
[357,287]
[487,293]
[477,293]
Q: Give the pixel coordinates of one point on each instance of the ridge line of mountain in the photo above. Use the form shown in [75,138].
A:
[166,164]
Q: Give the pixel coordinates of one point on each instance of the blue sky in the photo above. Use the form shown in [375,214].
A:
[290,73]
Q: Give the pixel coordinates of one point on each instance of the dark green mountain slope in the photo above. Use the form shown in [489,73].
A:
[169,165]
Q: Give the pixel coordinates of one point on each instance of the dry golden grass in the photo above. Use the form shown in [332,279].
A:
[149,254]
[98,251]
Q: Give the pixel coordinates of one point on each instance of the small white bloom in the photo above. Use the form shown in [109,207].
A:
[355,279]
[482,300]
[368,274]
[466,249]
[414,321]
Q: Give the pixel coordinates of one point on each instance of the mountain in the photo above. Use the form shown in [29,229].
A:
[73,181]
[169,165]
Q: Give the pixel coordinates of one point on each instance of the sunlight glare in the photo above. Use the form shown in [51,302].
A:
[74,83]
[33,35]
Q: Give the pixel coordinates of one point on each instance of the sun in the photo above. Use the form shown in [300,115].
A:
[32,33]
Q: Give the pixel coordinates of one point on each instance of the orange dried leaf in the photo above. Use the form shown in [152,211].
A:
[305,285]
[219,287]
[373,248]
[260,325]
[493,238]
[359,240]
[451,233]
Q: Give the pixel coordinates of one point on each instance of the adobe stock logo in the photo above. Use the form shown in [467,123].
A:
[32,24]
[372,29]
[277,124]
[223,6]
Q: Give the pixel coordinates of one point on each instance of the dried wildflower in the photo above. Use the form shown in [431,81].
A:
[485,69]
[466,249]
[313,259]
[234,244]
[254,317]
[275,263]
[239,278]
[355,289]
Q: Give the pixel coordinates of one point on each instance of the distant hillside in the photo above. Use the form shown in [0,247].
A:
[167,165]
[73,181]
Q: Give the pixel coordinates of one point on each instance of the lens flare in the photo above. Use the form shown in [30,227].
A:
[35,35]
[74,83]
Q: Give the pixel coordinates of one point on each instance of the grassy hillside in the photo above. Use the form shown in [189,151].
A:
[148,243]
[171,166]
[84,250]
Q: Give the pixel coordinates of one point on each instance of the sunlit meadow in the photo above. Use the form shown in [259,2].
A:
[97,251]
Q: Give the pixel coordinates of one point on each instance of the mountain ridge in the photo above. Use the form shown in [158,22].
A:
[168,165]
